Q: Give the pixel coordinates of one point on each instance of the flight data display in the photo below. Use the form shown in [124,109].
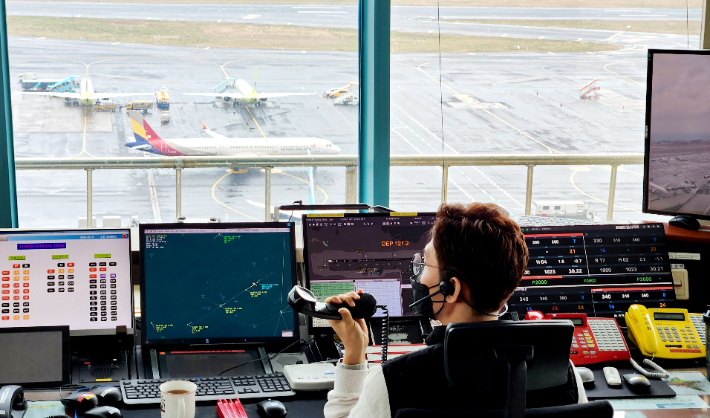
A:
[599,270]
[372,252]
[76,278]
[202,284]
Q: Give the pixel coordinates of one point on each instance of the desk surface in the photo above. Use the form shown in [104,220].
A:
[310,405]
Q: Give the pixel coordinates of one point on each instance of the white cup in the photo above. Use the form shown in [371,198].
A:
[177,405]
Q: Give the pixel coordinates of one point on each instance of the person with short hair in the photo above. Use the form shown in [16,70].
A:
[471,266]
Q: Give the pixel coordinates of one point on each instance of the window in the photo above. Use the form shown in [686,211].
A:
[526,80]
[170,56]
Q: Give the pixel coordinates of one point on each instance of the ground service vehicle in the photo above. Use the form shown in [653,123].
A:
[163,98]
[575,209]
[105,106]
[142,105]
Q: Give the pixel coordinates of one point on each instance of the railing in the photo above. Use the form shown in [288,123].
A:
[348,161]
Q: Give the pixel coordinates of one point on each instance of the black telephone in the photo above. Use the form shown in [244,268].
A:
[12,402]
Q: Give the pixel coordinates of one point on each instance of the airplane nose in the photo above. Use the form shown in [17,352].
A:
[336,149]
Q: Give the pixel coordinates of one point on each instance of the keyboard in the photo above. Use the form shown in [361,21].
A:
[145,391]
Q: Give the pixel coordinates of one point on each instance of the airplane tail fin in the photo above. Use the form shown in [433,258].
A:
[145,137]
[256,74]
[203,125]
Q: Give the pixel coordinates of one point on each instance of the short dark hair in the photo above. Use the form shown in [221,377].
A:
[482,247]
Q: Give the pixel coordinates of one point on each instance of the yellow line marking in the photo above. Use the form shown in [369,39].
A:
[257,123]
[527,135]
[619,75]
[218,201]
[83,143]
[571,179]
[314,185]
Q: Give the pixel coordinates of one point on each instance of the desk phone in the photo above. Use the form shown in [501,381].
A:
[666,332]
[595,340]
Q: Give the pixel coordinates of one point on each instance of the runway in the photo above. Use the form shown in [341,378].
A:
[513,103]
[404,18]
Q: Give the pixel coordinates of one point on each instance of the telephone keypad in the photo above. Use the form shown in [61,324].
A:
[607,334]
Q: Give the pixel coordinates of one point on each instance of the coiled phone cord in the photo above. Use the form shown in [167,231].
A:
[385,332]
[660,372]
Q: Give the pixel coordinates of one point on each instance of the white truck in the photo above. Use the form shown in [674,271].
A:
[575,209]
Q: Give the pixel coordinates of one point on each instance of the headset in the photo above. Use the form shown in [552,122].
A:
[447,288]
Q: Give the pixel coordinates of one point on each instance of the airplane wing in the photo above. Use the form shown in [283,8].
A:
[49,93]
[212,133]
[231,95]
[273,95]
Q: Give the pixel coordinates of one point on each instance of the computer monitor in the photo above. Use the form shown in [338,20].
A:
[373,252]
[217,283]
[79,278]
[599,270]
[677,157]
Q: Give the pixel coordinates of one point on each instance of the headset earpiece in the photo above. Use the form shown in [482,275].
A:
[446,287]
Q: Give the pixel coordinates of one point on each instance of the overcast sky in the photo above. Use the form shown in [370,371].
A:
[680,103]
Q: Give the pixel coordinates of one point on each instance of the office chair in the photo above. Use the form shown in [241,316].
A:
[510,358]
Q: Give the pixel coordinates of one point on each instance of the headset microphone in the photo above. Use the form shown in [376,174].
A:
[429,296]
[303,301]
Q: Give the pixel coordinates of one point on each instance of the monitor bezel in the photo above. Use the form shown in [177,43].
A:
[66,354]
[647,134]
[306,263]
[91,332]
[213,341]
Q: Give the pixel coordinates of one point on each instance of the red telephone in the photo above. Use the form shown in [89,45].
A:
[595,340]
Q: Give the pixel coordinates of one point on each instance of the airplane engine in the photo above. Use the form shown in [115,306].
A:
[226,99]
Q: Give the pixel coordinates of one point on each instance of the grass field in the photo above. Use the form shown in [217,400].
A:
[675,27]
[693,4]
[232,35]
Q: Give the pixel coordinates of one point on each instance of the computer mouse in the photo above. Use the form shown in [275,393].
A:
[586,374]
[271,409]
[108,396]
[637,382]
[80,401]
[103,412]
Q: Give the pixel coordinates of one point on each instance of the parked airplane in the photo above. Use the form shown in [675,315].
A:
[86,95]
[147,140]
[239,91]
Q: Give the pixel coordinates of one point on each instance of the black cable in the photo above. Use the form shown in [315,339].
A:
[385,332]
[260,359]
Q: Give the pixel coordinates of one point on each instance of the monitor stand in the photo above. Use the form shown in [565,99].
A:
[685,221]
[207,362]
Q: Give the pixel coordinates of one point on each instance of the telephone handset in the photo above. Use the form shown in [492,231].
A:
[641,329]
[12,401]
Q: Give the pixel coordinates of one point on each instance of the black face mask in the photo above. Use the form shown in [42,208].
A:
[423,305]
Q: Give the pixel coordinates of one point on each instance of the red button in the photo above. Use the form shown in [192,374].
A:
[102,269]
[15,298]
[15,285]
[50,271]
[70,264]
[25,298]
[16,266]
[5,318]
[16,291]
[92,276]
[6,298]
[92,269]
[5,279]
[25,285]
[6,285]
[24,291]
[5,272]
[5,292]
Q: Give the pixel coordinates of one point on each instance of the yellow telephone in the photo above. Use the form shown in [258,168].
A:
[665,332]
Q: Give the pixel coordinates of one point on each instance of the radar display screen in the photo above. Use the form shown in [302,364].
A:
[372,252]
[217,283]
[599,270]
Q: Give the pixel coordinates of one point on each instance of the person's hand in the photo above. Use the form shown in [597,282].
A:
[352,332]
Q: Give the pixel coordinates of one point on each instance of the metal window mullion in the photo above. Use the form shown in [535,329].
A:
[374,110]
[8,189]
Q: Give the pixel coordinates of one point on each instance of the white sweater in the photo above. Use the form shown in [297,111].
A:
[361,392]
